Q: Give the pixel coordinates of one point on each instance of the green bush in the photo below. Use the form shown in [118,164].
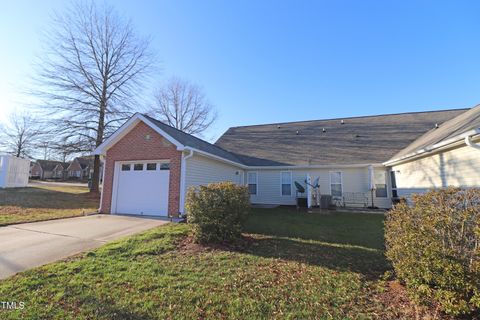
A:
[434,247]
[217,211]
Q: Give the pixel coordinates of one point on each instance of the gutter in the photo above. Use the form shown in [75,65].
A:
[470,143]
[464,136]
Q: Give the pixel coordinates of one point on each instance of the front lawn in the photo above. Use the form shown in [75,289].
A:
[44,203]
[329,271]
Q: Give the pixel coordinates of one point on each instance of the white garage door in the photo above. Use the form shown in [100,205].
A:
[142,188]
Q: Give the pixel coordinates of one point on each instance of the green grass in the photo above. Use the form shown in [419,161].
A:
[294,266]
[44,203]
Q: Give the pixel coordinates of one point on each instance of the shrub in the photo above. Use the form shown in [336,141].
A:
[217,211]
[434,247]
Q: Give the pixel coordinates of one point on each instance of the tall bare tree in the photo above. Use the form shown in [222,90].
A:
[92,70]
[21,135]
[183,105]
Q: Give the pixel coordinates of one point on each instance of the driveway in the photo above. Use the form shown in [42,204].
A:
[24,246]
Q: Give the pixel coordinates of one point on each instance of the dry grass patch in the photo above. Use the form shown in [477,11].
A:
[44,203]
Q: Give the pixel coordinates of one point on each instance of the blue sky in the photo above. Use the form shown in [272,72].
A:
[277,61]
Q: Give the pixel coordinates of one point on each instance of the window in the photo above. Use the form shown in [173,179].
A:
[380,184]
[138,167]
[394,184]
[336,187]
[151,166]
[286,178]
[125,167]
[165,166]
[252,182]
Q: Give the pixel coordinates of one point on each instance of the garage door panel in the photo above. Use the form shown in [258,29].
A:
[143,192]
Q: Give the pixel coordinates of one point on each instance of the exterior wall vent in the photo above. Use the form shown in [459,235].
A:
[324,130]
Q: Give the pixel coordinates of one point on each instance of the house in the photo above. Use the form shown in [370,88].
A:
[82,168]
[48,169]
[448,155]
[150,165]
[13,171]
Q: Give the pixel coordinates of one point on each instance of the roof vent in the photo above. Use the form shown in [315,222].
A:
[297,132]
[342,122]
[436,126]
[278,127]
[324,130]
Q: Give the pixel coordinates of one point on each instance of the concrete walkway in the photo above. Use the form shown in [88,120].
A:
[24,246]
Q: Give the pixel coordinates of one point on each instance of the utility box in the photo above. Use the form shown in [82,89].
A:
[14,172]
[325,201]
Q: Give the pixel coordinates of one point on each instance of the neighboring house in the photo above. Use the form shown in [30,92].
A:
[13,171]
[60,171]
[82,168]
[48,169]
[150,165]
[445,156]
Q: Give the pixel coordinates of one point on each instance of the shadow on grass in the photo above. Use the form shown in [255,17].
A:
[365,230]
[46,198]
[109,310]
[369,262]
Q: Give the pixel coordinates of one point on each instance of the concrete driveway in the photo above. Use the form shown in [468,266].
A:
[24,246]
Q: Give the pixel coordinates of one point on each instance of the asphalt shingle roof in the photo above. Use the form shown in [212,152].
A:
[359,140]
[462,123]
[193,142]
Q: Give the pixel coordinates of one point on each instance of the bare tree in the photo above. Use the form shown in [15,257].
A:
[90,74]
[20,136]
[184,106]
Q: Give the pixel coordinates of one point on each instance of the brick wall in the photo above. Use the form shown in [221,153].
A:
[135,146]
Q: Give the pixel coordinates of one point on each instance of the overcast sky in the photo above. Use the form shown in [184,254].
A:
[276,61]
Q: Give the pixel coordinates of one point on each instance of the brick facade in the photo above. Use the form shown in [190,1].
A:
[135,146]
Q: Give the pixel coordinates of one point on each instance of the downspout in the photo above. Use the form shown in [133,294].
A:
[102,159]
[470,143]
[183,171]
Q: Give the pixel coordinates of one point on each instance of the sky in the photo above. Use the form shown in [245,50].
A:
[279,61]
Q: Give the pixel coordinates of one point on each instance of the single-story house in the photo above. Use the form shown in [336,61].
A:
[81,168]
[48,169]
[445,156]
[13,171]
[149,165]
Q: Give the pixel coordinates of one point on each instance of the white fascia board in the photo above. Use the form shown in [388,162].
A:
[126,127]
[436,147]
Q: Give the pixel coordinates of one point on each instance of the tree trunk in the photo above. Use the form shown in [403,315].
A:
[94,187]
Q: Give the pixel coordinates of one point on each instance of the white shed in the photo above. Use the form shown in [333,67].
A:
[14,171]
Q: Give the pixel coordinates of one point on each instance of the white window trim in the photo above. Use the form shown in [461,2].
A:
[341,181]
[256,183]
[291,183]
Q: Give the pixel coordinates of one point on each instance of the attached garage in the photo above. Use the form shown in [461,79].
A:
[141,187]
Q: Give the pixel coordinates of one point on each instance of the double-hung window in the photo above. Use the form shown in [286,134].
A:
[380,184]
[336,187]
[252,183]
[286,178]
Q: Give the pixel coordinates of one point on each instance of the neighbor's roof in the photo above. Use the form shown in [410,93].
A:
[85,161]
[464,122]
[191,141]
[359,140]
[49,165]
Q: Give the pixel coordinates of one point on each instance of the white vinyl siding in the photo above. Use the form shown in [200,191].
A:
[252,183]
[202,171]
[457,167]
[354,180]
[286,183]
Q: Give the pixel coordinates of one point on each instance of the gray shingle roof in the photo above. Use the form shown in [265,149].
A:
[193,142]
[49,165]
[464,122]
[360,140]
